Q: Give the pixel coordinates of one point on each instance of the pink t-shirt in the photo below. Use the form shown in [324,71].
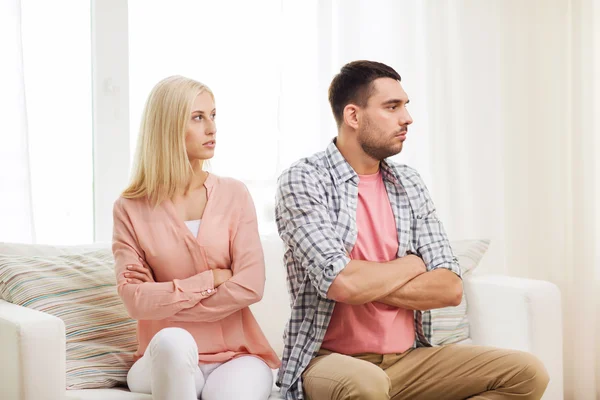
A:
[373,327]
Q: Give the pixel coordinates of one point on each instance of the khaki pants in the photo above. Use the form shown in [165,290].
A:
[430,373]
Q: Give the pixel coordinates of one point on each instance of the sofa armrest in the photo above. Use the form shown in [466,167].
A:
[521,314]
[32,348]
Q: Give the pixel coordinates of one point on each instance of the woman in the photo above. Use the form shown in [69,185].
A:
[188,259]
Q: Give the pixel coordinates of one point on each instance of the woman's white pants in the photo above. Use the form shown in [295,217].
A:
[169,370]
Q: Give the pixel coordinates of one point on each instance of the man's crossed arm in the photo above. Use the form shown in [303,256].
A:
[403,282]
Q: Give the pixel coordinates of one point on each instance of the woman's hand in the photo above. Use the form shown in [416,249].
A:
[221,275]
[139,274]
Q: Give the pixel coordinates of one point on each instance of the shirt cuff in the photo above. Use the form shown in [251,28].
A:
[451,265]
[202,284]
[330,273]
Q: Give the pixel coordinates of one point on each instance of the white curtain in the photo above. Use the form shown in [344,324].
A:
[15,181]
[46,169]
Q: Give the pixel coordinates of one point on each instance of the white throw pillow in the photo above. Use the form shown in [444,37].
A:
[451,324]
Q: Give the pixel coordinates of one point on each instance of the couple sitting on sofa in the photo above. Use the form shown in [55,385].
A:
[365,252]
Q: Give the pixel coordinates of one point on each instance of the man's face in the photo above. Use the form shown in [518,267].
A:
[383,122]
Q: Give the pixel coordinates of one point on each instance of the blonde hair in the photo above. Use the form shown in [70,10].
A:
[161,165]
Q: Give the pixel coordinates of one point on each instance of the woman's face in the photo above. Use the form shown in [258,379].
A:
[200,135]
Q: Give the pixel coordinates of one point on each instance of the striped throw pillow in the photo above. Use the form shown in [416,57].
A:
[78,288]
[451,324]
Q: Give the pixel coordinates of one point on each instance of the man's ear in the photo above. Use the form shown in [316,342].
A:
[351,116]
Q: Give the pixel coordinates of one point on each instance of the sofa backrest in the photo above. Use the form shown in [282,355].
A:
[273,312]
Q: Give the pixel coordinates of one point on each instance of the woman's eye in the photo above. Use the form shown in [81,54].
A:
[198,117]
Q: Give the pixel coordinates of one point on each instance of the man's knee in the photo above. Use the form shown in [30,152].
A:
[533,373]
[376,387]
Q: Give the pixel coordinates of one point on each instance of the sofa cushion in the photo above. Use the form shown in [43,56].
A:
[451,324]
[116,394]
[77,285]
[124,394]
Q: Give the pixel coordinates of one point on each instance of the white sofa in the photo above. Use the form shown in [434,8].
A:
[504,311]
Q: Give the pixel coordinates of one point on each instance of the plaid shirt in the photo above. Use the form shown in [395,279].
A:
[316,219]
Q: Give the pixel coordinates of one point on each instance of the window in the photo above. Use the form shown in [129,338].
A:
[55,120]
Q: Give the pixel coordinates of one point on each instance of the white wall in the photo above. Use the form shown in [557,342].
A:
[110,65]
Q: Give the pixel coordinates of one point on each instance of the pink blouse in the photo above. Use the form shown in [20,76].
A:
[184,295]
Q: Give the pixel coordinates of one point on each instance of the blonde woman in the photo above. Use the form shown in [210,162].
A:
[188,259]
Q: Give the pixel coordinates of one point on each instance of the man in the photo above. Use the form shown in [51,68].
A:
[365,254]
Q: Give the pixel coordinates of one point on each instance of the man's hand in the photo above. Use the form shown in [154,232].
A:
[221,275]
[435,289]
[414,262]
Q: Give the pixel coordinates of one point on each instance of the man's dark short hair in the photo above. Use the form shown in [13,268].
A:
[354,85]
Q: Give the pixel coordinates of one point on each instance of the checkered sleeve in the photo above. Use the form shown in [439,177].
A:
[430,239]
[304,225]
